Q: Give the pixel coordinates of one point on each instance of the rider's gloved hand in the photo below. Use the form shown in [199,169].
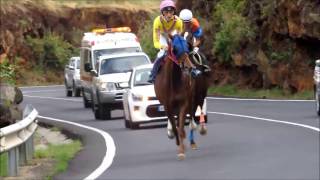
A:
[196,49]
[164,47]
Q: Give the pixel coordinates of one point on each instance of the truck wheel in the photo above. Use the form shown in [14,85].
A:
[76,91]
[100,112]
[86,103]
[68,93]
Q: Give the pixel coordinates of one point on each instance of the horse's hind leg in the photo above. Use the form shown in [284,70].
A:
[192,127]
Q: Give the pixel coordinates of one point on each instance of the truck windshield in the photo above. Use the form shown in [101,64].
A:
[100,52]
[121,64]
[78,64]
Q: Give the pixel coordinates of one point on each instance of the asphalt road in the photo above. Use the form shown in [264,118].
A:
[247,139]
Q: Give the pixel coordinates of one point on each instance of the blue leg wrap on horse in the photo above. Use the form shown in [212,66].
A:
[191,135]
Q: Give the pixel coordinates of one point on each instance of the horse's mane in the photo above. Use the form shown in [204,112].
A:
[180,47]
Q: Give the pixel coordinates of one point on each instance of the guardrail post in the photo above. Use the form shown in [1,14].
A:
[13,156]
[22,154]
[29,148]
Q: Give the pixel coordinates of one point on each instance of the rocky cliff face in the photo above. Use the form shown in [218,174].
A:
[286,44]
[34,18]
[281,54]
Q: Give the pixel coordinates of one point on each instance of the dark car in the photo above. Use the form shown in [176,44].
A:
[316,78]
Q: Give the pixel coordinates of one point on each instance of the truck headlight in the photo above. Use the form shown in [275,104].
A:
[107,86]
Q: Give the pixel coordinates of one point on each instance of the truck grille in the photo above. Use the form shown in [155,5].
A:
[119,96]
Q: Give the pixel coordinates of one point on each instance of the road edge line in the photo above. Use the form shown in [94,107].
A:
[266,119]
[110,147]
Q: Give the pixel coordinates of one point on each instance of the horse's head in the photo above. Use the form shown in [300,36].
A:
[180,47]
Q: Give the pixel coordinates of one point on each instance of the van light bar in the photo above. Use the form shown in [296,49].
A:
[117,29]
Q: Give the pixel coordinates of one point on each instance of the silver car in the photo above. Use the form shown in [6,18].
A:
[316,78]
[72,77]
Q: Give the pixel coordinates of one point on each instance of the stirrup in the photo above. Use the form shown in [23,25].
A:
[195,72]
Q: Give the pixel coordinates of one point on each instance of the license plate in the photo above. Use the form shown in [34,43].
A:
[161,108]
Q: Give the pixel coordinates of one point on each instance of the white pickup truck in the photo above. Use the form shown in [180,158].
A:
[72,77]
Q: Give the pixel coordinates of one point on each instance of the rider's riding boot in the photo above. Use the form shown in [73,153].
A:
[195,72]
[155,69]
[206,68]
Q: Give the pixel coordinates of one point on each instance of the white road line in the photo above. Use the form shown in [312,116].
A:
[25,87]
[53,90]
[265,119]
[41,97]
[110,147]
[272,100]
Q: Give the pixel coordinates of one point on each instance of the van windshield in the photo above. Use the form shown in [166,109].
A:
[100,52]
[121,64]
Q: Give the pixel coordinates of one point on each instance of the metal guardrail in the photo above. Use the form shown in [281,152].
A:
[17,140]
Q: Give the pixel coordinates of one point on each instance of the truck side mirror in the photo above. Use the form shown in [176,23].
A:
[87,67]
[318,62]
[71,67]
[122,85]
[94,72]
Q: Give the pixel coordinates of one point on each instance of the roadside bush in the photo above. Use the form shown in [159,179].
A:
[51,50]
[7,72]
[233,28]
[146,38]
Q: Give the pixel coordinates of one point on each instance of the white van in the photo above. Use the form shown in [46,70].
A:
[106,43]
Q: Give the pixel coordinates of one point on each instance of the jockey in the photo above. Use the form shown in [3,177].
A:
[191,25]
[166,23]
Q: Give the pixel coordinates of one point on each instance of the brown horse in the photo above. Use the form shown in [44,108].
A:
[176,90]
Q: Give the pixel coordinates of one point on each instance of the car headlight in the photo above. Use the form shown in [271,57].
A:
[107,86]
[136,97]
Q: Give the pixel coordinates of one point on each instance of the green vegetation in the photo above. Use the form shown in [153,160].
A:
[3,164]
[233,28]
[62,154]
[268,8]
[143,4]
[146,39]
[55,129]
[51,51]
[275,93]
[7,72]
[284,53]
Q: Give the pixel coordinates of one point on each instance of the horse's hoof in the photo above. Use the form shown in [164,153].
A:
[181,156]
[170,134]
[203,130]
[194,146]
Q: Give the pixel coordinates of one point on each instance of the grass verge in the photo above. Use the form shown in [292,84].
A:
[62,154]
[3,164]
[275,93]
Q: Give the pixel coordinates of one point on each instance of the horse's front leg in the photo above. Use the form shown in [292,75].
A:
[169,130]
[192,127]
[182,134]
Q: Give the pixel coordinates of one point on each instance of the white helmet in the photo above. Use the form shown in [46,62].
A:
[185,15]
